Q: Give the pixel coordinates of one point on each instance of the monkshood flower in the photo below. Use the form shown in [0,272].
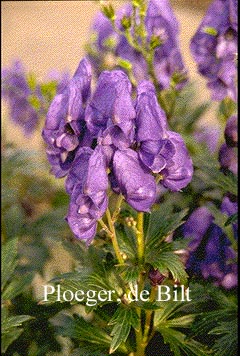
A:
[210,250]
[161,24]
[161,150]
[107,139]
[65,129]
[231,131]
[214,48]
[18,94]
[87,183]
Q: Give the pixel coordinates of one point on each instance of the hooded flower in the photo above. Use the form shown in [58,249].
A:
[214,48]
[65,128]
[87,183]
[160,150]
[210,250]
[159,22]
[134,181]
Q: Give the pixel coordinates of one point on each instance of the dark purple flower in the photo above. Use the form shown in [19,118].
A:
[24,102]
[210,250]
[133,180]
[231,131]
[87,183]
[65,129]
[214,48]
[161,22]
[228,158]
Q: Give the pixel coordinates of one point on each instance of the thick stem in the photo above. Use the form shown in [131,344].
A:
[148,319]
[114,237]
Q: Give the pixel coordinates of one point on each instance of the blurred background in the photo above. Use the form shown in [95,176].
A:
[49,35]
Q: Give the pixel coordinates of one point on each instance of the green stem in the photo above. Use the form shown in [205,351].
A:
[140,237]
[117,208]
[149,314]
[114,237]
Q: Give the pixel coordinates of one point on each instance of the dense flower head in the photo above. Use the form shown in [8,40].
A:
[211,255]
[26,97]
[214,48]
[160,23]
[106,139]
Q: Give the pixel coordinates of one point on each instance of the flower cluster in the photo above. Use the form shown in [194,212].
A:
[161,33]
[210,251]
[214,48]
[26,98]
[107,138]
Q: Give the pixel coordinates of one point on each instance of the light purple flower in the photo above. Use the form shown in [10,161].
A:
[65,129]
[134,181]
[87,183]
[214,48]
[18,94]
[160,21]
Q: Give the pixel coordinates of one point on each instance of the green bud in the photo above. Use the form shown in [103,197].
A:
[124,63]
[49,89]
[126,22]
[110,42]
[155,41]
[32,81]
[108,11]
[210,31]
[137,3]
[34,102]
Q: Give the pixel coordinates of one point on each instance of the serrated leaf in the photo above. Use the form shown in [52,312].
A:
[122,320]
[129,273]
[9,260]
[168,261]
[178,342]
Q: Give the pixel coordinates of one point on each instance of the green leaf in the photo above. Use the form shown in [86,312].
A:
[122,320]
[77,328]
[178,342]
[168,261]
[227,343]
[162,223]
[9,260]
[14,321]
[129,272]
[8,338]
[17,286]
[232,219]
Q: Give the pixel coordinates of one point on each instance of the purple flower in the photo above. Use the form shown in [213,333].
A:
[161,22]
[19,96]
[210,250]
[133,180]
[87,183]
[214,48]
[64,129]
[231,132]
[228,158]
[160,150]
